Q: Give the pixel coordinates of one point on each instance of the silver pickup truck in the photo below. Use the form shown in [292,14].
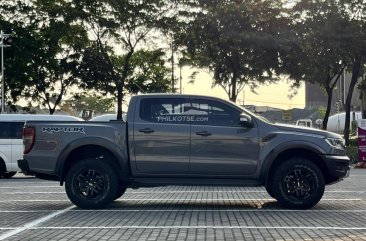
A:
[184,140]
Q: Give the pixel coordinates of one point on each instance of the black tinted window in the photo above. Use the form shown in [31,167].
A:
[18,130]
[5,130]
[164,110]
[217,113]
[11,130]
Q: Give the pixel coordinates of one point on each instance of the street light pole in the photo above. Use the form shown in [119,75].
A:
[2,73]
[3,37]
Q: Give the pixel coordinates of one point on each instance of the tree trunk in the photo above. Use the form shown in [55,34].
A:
[363,98]
[119,101]
[355,74]
[121,84]
[233,95]
[364,104]
[329,106]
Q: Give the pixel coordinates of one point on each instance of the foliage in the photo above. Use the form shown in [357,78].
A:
[126,24]
[93,102]
[354,45]
[237,41]
[109,45]
[352,149]
[352,153]
[40,65]
[322,111]
[318,59]
[150,73]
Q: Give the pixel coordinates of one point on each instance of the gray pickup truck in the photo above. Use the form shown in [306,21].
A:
[184,140]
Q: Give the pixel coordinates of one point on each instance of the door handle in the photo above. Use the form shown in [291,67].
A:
[146,130]
[203,133]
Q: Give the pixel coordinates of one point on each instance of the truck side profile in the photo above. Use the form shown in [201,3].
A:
[173,139]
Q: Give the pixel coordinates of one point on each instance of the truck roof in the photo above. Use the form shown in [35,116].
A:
[173,95]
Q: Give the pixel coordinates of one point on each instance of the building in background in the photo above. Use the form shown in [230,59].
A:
[316,97]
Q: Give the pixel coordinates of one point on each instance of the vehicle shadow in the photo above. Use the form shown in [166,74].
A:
[192,205]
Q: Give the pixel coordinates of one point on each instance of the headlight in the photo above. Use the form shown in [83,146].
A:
[336,142]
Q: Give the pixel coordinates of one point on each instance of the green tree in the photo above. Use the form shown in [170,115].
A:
[42,61]
[91,101]
[317,57]
[332,29]
[117,25]
[236,41]
[150,73]
[354,43]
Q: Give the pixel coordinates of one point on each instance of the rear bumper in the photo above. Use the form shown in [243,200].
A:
[23,165]
[338,166]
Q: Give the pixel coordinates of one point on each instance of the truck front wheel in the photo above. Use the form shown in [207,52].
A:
[91,184]
[120,192]
[298,183]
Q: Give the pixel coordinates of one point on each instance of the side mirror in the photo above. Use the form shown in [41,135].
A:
[246,121]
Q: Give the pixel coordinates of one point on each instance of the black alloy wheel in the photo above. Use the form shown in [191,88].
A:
[298,183]
[91,184]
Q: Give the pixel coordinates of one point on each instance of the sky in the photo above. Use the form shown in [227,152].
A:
[273,95]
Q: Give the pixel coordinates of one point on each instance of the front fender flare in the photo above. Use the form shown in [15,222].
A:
[275,152]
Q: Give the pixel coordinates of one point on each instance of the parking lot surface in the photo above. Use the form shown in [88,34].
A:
[32,209]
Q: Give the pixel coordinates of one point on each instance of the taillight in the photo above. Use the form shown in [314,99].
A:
[28,139]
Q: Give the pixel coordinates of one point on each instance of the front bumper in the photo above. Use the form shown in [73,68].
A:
[338,166]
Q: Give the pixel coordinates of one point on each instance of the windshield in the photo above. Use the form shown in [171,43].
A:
[245,110]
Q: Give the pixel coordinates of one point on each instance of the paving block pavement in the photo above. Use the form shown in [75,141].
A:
[31,209]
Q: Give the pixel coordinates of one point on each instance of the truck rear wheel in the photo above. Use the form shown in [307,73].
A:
[91,184]
[298,183]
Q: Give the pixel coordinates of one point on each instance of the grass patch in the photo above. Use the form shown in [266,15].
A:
[352,153]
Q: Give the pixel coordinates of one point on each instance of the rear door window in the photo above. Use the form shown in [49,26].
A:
[165,110]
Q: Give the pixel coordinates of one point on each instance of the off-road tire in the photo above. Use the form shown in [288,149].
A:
[2,168]
[91,184]
[298,184]
[120,192]
[269,190]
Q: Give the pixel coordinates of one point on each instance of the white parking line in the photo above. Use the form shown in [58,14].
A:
[205,227]
[180,192]
[191,210]
[15,193]
[24,187]
[182,199]
[29,211]
[33,224]
[228,199]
